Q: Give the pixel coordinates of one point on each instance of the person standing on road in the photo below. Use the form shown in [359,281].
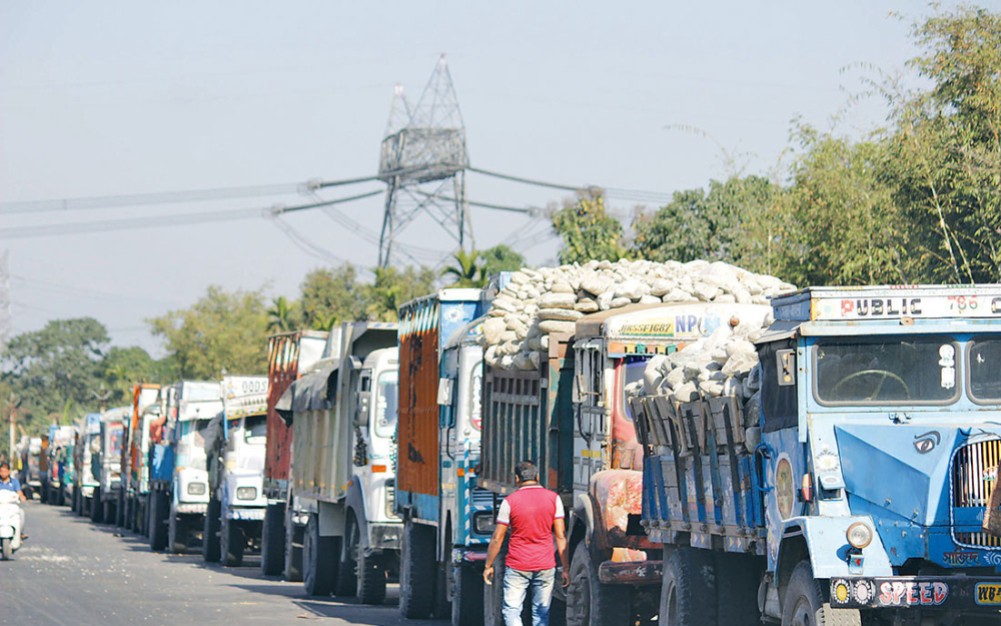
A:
[9,483]
[534,515]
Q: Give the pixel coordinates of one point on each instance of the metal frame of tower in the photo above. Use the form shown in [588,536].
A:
[423,162]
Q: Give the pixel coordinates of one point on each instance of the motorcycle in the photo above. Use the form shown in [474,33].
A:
[10,524]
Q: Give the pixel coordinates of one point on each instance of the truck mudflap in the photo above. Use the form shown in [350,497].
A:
[946,593]
[631,573]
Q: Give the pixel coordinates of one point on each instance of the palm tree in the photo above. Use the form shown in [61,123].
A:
[466,269]
[280,317]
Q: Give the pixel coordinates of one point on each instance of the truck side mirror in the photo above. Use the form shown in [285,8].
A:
[362,411]
[786,363]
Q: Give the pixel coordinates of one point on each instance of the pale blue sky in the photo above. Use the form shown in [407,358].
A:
[134,97]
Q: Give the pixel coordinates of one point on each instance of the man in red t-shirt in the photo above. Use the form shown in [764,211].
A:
[533,514]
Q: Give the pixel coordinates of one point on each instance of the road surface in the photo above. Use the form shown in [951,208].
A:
[71,571]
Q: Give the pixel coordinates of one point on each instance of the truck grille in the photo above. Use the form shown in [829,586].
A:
[482,499]
[391,498]
[974,474]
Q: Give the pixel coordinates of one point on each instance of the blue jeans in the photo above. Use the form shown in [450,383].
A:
[516,585]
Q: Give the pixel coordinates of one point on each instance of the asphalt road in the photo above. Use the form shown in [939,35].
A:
[71,571]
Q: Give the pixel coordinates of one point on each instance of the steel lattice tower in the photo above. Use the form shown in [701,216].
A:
[423,162]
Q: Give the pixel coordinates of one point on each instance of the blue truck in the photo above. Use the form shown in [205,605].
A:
[447,519]
[868,497]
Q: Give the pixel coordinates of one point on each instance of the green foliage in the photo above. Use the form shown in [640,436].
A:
[394,287]
[500,258]
[282,316]
[124,367]
[54,371]
[332,296]
[466,270]
[588,232]
[716,225]
[223,330]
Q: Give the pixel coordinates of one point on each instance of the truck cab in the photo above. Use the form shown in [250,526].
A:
[235,445]
[135,455]
[881,444]
[86,480]
[109,465]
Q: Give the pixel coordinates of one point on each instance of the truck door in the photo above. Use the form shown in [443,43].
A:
[590,414]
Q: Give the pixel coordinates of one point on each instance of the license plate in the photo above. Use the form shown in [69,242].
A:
[989,594]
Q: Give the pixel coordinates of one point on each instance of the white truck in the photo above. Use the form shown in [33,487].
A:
[108,468]
[235,446]
[343,416]
[179,483]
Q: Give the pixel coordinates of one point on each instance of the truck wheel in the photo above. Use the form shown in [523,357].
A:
[231,543]
[7,549]
[294,540]
[589,603]
[804,604]
[688,589]
[467,595]
[318,559]
[108,512]
[120,509]
[347,581]
[84,506]
[177,533]
[417,571]
[211,552]
[737,579]
[159,508]
[273,540]
[97,507]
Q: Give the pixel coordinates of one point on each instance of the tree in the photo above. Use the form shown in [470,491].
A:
[55,370]
[394,287]
[331,296]
[466,270]
[588,232]
[123,367]
[282,316]
[500,258]
[223,330]
[946,148]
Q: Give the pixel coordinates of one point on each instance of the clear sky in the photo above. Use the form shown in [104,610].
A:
[134,97]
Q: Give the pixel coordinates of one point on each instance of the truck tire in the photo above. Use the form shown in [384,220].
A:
[97,507]
[211,552]
[319,559]
[159,508]
[120,509]
[688,589]
[84,509]
[347,581]
[108,512]
[589,603]
[417,571]
[273,540]
[467,595]
[738,577]
[177,533]
[231,543]
[804,605]
[294,543]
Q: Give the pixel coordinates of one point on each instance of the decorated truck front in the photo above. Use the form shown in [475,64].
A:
[135,455]
[860,489]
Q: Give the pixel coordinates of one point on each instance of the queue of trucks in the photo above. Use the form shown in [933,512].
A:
[856,488]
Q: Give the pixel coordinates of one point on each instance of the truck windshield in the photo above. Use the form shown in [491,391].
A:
[386,404]
[901,370]
[985,370]
[115,438]
[255,429]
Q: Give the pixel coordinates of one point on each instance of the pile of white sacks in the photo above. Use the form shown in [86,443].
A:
[538,302]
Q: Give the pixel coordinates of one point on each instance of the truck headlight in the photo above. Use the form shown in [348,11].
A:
[859,535]
[483,523]
[246,493]
[196,489]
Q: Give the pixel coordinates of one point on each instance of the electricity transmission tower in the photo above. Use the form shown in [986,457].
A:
[423,162]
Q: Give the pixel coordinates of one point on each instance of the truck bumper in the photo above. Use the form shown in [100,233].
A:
[191,508]
[385,536]
[631,573]
[967,594]
[245,514]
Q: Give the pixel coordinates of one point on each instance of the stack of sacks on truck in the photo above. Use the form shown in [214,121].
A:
[538,302]
[722,365]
